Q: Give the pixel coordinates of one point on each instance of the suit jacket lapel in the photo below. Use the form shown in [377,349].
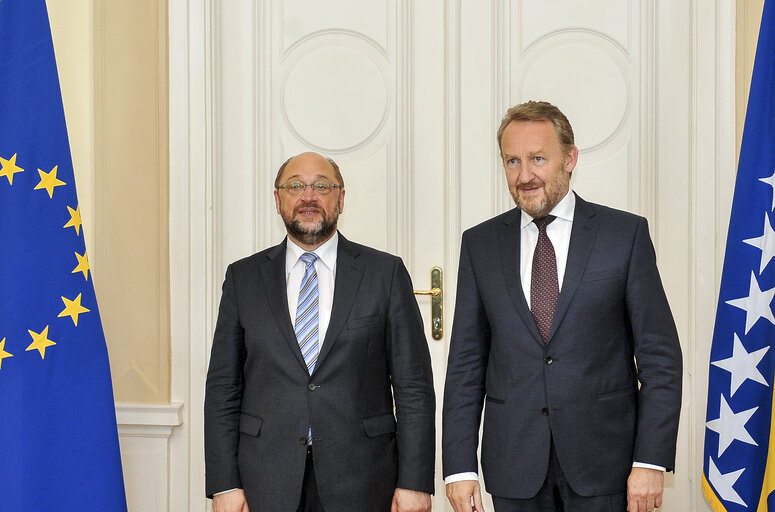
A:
[509,243]
[348,278]
[273,274]
[582,238]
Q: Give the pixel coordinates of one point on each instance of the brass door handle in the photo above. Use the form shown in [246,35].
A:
[437,302]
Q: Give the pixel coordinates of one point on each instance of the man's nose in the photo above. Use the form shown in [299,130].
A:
[309,193]
[525,175]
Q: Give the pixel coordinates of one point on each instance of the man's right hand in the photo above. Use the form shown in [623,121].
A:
[232,501]
[461,494]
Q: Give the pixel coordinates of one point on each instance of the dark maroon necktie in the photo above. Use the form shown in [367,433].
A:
[544,287]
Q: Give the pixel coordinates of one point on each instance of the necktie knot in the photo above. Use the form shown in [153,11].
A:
[543,222]
[308,258]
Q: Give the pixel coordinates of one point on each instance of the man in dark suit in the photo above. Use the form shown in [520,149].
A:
[317,340]
[563,331]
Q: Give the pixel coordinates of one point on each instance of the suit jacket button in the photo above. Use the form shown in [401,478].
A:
[548,360]
[545,411]
[303,440]
[312,387]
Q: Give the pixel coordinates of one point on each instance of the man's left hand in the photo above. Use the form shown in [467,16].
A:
[405,500]
[644,489]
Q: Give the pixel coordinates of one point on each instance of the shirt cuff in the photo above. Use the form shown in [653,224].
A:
[648,466]
[459,477]
[224,492]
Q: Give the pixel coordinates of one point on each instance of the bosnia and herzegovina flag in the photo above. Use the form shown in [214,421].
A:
[739,456]
[58,438]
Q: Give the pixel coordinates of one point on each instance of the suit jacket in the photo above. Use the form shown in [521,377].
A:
[582,388]
[260,399]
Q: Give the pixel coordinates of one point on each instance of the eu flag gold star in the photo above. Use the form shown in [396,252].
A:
[49,180]
[73,308]
[3,353]
[40,341]
[9,168]
[83,265]
[75,219]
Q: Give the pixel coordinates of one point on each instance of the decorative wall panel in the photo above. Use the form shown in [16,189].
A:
[334,75]
[584,58]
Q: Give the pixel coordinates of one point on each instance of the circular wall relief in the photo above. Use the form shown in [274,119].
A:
[335,98]
[586,83]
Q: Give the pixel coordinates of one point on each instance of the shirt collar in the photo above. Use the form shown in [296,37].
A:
[562,210]
[326,253]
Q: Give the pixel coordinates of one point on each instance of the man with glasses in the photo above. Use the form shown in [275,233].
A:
[319,391]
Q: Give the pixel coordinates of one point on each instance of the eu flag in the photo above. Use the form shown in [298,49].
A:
[739,456]
[58,440]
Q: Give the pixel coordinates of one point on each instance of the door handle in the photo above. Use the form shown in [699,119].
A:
[437,302]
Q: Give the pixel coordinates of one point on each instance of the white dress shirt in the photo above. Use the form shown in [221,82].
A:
[325,266]
[559,234]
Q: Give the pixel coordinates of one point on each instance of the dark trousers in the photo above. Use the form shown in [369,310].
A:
[310,501]
[557,496]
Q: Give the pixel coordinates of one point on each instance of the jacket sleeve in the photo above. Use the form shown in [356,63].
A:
[412,381]
[223,395]
[657,356]
[466,372]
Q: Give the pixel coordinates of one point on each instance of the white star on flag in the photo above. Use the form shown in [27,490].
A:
[771,182]
[765,243]
[743,365]
[730,426]
[756,305]
[723,483]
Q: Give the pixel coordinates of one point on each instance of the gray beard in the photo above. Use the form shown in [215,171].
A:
[322,231]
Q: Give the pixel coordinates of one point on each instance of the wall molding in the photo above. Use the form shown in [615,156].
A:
[644,196]
[711,187]
[501,198]
[452,141]
[265,222]
[191,231]
[401,231]
[148,420]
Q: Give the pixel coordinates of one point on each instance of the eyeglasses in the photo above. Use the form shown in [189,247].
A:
[321,188]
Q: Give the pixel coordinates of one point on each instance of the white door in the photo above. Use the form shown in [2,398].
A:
[406,96]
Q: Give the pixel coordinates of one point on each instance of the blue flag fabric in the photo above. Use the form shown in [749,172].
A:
[58,439]
[739,455]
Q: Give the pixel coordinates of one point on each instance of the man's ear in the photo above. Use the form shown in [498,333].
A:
[571,158]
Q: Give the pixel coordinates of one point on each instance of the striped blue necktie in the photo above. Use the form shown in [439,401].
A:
[307,323]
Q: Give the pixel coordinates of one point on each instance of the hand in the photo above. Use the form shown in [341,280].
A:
[644,489]
[406,500]
[232,501]
[460,494]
